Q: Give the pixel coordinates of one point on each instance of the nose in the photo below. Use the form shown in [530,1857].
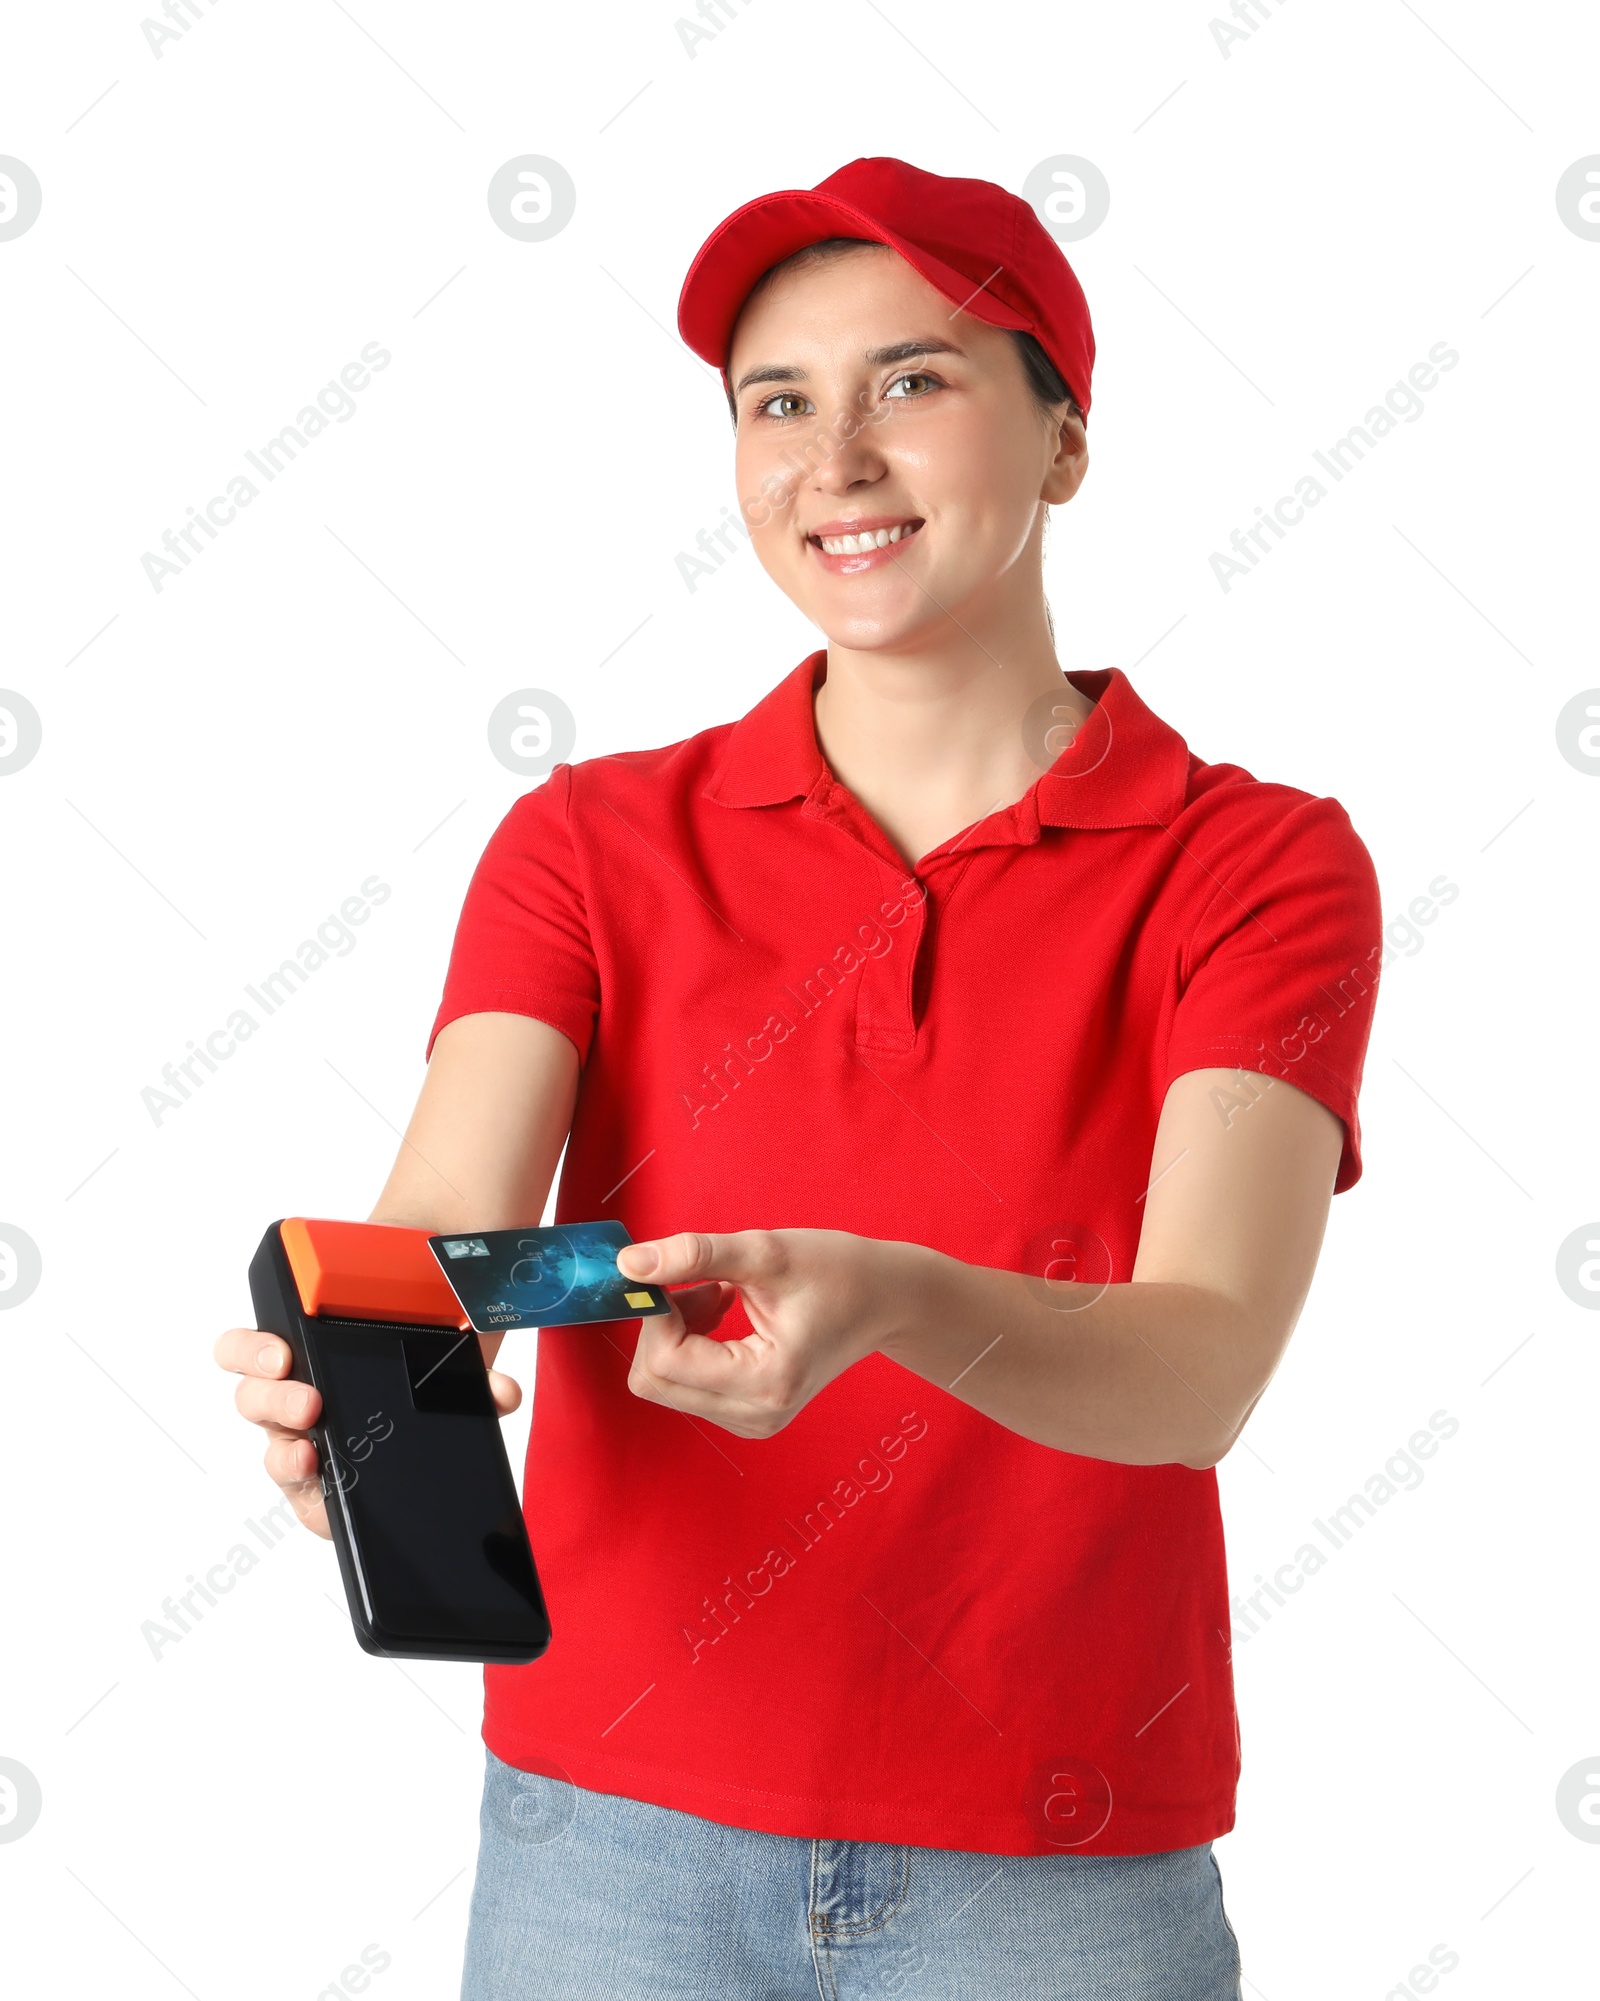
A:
[843,452]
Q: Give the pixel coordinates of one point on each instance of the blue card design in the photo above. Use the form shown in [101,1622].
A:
[560,1276]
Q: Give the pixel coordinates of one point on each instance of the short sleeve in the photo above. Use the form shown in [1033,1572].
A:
[522,942]
[1280,973]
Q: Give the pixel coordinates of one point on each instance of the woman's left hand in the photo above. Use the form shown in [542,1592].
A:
[817,1301]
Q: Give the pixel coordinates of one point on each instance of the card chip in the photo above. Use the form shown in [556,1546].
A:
[638,1299]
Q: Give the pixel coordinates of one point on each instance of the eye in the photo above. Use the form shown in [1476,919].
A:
[783,396]
[916,375]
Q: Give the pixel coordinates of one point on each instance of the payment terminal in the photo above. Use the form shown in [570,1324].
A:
[420,1499]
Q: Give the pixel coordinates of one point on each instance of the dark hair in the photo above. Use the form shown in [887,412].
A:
[1043,377]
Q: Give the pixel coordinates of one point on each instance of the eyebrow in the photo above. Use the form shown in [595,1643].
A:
[875,357]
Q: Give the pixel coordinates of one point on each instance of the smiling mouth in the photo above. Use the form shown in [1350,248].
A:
[866,540]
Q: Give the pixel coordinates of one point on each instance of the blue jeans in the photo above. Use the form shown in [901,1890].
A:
[582,1896]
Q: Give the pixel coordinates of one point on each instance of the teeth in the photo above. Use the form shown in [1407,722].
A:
[855,545]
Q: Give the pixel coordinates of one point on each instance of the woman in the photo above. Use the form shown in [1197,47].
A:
[929,1028]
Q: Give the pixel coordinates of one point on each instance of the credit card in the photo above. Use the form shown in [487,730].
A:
[560,1276]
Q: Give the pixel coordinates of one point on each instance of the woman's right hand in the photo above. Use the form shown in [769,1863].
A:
[285,1411]
[495,1109]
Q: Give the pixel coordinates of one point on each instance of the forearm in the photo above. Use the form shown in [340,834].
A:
[493,1114]
[1140,1374]
[481,1149]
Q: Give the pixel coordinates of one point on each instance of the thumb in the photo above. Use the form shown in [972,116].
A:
[744,1256]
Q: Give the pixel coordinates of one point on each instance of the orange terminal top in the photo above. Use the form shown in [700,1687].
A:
[368,1271]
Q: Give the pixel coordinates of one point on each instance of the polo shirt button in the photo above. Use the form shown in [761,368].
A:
[883,998]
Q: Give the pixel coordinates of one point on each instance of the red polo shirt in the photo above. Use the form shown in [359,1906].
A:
[896,1620]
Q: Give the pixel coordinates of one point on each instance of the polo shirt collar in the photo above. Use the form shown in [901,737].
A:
[772,754]
[1125,767]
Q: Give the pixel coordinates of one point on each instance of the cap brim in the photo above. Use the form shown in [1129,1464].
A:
[773,226]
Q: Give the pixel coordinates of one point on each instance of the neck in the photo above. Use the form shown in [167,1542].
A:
[931,740]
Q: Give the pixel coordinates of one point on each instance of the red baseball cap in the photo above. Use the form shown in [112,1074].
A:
[981,246]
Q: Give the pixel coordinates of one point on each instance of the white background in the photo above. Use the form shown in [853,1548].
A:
[1292,226]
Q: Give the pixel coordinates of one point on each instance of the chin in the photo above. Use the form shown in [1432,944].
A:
[872,628]
[869,635]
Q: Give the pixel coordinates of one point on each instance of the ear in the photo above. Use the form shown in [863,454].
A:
[1071,458]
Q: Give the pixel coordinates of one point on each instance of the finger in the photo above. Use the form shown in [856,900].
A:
[732,1412]
[704,1306]
[291,1460]
[290,1406]
[672,1355]
[247,1351]
[286,1463]
[506,1391]
[745,1256]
